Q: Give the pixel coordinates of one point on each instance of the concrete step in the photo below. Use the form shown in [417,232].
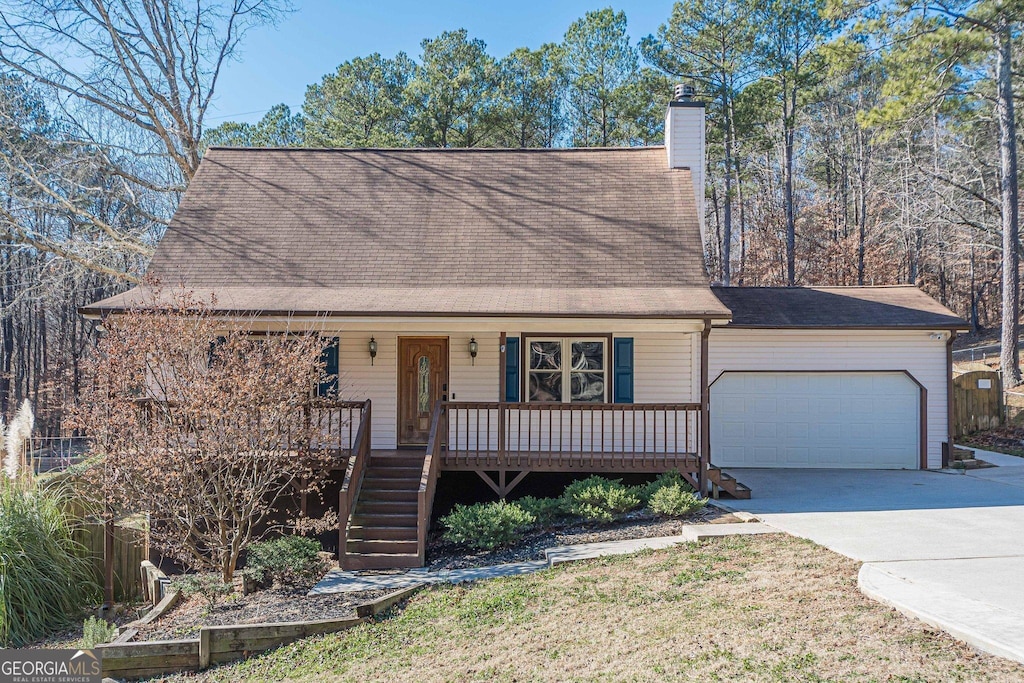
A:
[968,464]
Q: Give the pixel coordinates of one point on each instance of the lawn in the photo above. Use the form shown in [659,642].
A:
[768,608]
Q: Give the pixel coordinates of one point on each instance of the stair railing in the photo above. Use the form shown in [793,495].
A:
[353,480]
[428,479]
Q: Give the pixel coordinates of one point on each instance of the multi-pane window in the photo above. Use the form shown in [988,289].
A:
[569,369]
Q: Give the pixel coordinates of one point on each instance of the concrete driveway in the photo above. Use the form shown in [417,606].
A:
[947,548]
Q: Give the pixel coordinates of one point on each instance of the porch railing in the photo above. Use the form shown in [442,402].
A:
[428,479]
[359,456]
[571,431]
[336,425]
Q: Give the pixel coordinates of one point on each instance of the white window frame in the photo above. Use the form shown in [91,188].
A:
[566,369]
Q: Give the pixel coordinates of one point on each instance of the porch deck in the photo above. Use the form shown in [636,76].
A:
[611,463]
[560,461]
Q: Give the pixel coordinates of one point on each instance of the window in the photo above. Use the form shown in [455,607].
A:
[567,370]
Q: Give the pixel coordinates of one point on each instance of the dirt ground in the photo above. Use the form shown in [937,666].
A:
[1008,439]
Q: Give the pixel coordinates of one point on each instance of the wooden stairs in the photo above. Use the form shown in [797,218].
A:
[382,532]
[720,481]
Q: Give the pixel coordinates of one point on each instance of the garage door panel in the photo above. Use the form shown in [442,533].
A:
[825,432]
[808,419]
[795,430]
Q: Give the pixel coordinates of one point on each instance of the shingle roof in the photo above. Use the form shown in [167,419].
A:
[372,230]
[903,306]
[606,302]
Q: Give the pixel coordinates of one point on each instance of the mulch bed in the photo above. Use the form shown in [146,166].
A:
[1008,439]
[442,554]
[271,605]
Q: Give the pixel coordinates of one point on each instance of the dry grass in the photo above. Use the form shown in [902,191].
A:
[769,608]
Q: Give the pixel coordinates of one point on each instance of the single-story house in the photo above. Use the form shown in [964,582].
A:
[508,311]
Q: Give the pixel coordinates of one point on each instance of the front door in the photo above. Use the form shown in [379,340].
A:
[422,382]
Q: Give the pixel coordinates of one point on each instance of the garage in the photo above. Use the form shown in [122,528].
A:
[859,419]
[831,377]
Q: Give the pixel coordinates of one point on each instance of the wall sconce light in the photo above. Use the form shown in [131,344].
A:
[373,349]
[474,348]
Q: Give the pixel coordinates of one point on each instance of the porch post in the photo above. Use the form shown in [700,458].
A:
[502,385]
[705,404]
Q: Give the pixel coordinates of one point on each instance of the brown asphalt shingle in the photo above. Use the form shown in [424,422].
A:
[549,232]
[420,218]
[837,307]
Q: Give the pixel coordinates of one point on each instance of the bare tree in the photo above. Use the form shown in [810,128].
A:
[209,430]
[132,81]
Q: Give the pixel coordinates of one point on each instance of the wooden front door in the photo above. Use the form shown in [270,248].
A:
[422,382]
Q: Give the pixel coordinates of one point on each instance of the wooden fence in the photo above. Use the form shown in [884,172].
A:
[131,547]
[977,402]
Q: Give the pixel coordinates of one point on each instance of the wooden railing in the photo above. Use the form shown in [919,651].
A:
[572,431]
[359,456]
[428,478]
[327,425]
[336,425]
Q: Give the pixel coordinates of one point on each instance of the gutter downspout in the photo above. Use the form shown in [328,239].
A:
[705,417]
[947,452]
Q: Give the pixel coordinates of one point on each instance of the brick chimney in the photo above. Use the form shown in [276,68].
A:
[684,140]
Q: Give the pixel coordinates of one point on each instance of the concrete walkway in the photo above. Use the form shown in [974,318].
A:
[946,547]
[339,581]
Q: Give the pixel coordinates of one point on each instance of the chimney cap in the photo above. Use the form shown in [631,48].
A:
[683,92]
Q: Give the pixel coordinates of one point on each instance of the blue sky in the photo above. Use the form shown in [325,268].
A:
[277,63]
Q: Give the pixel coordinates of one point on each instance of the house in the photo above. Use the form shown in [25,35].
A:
[517,311]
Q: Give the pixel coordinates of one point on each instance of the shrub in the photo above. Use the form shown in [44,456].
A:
[599,499]
[546,511]
[210,587]
[486,525]
[285,561]
[96,631]
[670,478]
[45,578]
[675,501]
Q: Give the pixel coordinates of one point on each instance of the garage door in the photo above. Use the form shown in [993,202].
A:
[807,419]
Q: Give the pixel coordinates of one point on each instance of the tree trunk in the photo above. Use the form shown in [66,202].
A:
[1009,358]
[789,133]
[727,203]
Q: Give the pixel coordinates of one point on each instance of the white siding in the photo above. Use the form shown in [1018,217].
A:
[913,351]
[358,381]
[663,368]
[663,371]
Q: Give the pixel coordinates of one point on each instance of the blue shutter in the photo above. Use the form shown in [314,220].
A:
[329,357]
[623,367]
[512,379]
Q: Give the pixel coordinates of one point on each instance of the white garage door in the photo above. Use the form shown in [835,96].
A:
[807,419]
